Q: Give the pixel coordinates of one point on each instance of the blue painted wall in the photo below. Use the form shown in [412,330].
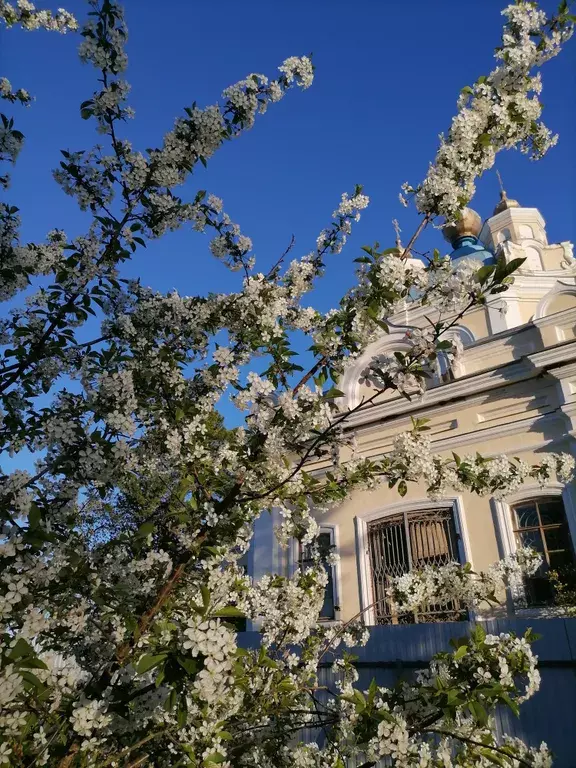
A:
[550,716]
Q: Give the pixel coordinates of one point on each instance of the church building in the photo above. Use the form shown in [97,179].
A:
[512,390]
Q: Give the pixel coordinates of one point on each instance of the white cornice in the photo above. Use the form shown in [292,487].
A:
[562,353]
[474,385]
[568,315]
[521,427]
[479,382]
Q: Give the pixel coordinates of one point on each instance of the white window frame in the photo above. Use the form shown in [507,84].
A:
[507,544]
[294,564]
[362,556]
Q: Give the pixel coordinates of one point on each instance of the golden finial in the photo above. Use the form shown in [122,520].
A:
[505,203]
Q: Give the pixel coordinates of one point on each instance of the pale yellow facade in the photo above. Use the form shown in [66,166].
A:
[513,391]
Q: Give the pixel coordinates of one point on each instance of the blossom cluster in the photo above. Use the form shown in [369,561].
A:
[21,95]
[26,14]
[458,583]
[412,458]
[500,111]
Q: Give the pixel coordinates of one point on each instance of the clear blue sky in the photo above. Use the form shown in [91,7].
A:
[388,75]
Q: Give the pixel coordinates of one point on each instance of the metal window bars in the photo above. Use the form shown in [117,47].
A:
[400,543]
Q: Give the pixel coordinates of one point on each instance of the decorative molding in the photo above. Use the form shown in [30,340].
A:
[513,372]
[560,353]
[362,556]
[560,289]
[395,341]
[542,320]
[498,412]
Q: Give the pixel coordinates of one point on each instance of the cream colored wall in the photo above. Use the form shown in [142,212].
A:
[477,516]
[519,419]
[477,323]
[553,256]
[526,310]
[561,302]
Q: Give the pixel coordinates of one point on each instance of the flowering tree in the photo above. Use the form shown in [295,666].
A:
[120,579]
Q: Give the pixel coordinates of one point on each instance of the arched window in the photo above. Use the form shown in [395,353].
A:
[541,525]
[504,235]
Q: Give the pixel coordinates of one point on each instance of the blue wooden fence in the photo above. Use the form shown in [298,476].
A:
[550,716]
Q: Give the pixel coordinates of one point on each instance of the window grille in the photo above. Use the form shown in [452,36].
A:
[325,546]
[541,525]
[400,543]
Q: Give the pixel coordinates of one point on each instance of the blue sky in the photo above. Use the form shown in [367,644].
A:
[388,75]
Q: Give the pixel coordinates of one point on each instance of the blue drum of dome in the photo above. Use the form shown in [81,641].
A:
[469,247]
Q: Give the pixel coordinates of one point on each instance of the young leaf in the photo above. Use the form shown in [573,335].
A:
[149,662]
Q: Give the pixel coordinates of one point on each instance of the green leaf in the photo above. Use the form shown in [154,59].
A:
[32,663]
[479,633]
[478,712]
[21,649]
[512,705]
[506,268]
[494,757]
[215,757]
[31,679]
[332,393]
[402,488]
[171,701]
[34,516]
[148,662]
[484,273]
[205,596]
[188,663]
[182,715]
[360,701]
[461,652]
[229,610]
[145,530]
